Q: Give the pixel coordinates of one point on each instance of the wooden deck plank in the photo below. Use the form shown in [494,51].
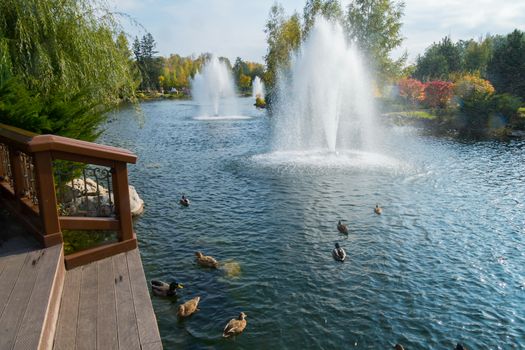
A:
[146,320]
[28,336]
[66,331]
[18,301]
[13,265]
[87,310]
[152,346]
[107,314]
[128,336]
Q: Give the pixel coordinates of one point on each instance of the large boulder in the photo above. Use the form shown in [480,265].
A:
[85,198]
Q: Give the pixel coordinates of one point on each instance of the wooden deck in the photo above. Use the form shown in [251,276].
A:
[30,288]
[106,305]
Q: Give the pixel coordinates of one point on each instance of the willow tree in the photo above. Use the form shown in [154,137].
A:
[63,56]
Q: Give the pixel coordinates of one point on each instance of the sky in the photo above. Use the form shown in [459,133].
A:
[235,28]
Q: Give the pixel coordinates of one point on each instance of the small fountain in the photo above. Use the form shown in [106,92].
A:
[213,89]
[258,92]
[323,106]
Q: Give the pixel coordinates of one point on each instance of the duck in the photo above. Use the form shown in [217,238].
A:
[163,289]
[460,347]
[235,326]
[206,261]
[398,347]
[378,209]
[342,227]
[188,308]
[184,201]
[339,253]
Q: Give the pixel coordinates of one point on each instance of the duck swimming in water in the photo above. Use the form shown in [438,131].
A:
[342,227]
[235,326]
[398,347]
[184,201]
[188,307]
[163,289]
[378,209]
[339,253]
[206,261]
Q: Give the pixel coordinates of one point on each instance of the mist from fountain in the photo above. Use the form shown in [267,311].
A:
[324,102]
[213,89]
[258,88]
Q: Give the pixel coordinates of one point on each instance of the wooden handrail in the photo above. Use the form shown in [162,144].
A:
[44,149]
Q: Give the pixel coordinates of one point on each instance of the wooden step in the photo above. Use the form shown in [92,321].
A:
[30,291]
[106,305]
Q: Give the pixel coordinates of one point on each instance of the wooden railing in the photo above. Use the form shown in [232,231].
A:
[28,189]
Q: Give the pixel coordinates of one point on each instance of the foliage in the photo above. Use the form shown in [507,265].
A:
[76,240]
[438,94]
[177,70]
[376,26]
[446,59]
[470,85]
[245,72]
[149,66]
[439,61]
[475,55]
[58,53]
[329,9]
[77,116]
[259,102]
[507,106]
[412,90]
[506,69]
[283,36]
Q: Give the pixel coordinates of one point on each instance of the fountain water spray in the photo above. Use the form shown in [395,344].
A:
[213,89]
[258,88]
[325,101]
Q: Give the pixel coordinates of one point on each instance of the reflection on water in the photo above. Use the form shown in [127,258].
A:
[444,263]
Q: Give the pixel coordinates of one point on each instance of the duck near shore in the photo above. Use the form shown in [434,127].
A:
[188,308]
[206,261]
[235,326]
[163,289]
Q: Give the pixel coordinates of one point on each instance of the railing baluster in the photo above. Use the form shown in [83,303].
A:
[17,174]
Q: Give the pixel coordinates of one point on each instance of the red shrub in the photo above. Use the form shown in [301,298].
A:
[412,90]
[438,93]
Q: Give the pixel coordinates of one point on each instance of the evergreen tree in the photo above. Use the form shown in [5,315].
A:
[506,69]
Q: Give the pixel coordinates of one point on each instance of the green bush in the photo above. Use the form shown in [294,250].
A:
[75,117]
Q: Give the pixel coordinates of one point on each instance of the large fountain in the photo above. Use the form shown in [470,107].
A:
[324,109]
[213,90]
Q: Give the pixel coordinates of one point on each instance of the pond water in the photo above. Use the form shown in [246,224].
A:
[444,263]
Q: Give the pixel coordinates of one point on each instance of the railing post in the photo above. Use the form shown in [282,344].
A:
[122,203]
[17,174]
[47,201]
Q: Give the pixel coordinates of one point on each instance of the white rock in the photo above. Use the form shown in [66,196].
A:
[136,203]
[82,200]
